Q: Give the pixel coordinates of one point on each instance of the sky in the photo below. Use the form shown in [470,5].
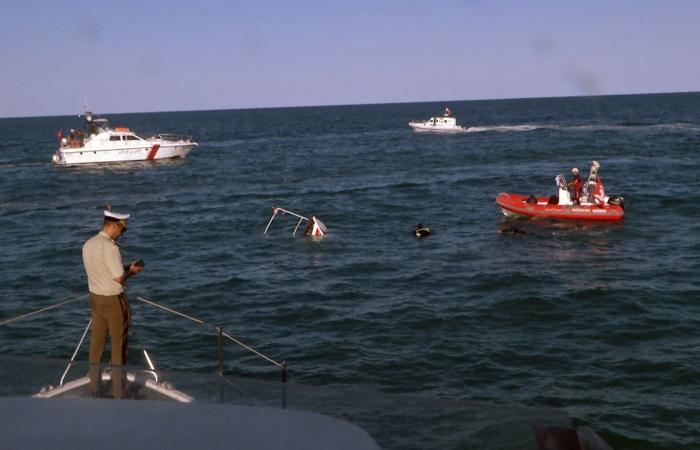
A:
[138,56]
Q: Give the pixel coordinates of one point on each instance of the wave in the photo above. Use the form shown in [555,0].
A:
[625,126]
[10,165]
[504,128]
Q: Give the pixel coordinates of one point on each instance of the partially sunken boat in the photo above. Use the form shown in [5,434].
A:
[99,143]
[314,226]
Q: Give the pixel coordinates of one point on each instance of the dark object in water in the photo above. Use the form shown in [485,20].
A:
[532,199]
[422,231]
[617,200]
[511,230]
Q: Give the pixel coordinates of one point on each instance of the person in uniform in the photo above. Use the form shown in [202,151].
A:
[108,303]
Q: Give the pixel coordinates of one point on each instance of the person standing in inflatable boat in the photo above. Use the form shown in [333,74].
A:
[575,185]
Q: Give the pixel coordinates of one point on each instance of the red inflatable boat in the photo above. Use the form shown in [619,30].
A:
[592,203]
[517,205]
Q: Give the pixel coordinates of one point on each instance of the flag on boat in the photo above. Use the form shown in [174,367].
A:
[599,191]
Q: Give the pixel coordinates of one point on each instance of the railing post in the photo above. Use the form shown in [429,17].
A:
[220,333]
[284,384]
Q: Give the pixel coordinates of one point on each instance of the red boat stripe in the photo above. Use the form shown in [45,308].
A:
[152,153]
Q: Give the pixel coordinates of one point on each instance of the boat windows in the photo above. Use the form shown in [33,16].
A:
[115,138]
[132,138]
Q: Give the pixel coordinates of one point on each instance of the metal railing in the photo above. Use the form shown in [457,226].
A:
[220,338]
[221,335]
[173,137]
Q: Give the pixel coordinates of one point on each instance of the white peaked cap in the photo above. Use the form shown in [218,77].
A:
[116,216]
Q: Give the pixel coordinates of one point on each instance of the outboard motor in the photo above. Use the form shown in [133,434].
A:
[617,200]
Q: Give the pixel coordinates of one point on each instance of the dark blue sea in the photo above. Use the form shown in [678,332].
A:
[601,320]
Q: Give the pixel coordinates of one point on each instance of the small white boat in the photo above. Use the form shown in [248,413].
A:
[446,123]
[99,143]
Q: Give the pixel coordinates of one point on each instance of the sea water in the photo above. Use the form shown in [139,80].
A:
[600,319]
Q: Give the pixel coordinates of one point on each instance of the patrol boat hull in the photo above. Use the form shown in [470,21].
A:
[513,205]
[150,150]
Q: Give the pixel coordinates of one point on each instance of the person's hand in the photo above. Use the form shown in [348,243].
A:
[134,268]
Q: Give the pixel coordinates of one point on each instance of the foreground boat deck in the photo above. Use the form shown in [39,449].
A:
[62,423]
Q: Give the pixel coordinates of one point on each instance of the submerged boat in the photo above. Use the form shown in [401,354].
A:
[592,203]
[99,143]
[446,123]
[314,226]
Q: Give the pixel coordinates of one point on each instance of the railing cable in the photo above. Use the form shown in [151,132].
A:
[219,330]
[47,308]
[165,308]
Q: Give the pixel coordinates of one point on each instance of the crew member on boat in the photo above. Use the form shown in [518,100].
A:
[575,185]
[109,305]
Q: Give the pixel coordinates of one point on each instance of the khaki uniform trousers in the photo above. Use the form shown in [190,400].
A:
[111,315]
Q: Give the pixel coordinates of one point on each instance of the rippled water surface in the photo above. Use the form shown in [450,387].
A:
[602,320]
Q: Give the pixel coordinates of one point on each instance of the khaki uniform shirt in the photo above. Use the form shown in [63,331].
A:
[103,263]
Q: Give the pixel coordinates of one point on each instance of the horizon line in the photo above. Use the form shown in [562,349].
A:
[357,104]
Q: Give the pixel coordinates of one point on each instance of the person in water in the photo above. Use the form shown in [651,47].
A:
[575,185]
[422,231]
[511,230]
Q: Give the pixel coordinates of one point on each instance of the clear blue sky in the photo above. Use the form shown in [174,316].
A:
[133,56]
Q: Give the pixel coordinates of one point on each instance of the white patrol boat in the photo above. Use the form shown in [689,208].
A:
[99,143]
[445,123]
